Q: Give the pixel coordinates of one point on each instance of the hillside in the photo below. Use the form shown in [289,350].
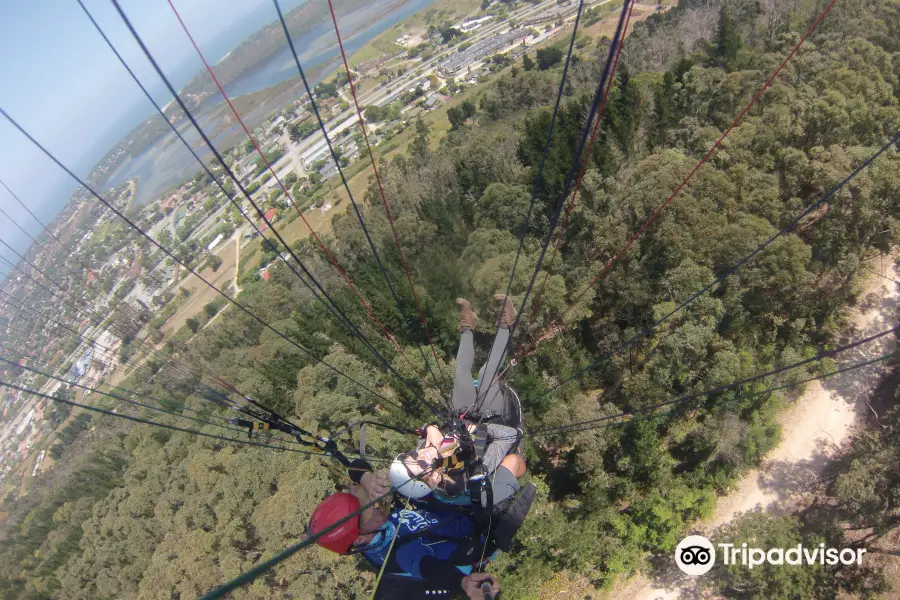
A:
[263,44]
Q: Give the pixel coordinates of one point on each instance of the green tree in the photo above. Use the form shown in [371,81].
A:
[727,40]
[503,207]
[665,111]
[458,115]
[302,130]
[326,89]
[214,262]
[547,57]
[165,238]
[527,63]
[623,112]
[418,147]
[192,324]
[449,33]
[770,582]
[374,113]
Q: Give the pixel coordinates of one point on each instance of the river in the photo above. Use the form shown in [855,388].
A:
[166,163]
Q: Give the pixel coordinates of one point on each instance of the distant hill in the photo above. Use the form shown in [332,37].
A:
[242,59]
[261,45]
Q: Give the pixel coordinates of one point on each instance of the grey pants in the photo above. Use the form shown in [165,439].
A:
[464,394]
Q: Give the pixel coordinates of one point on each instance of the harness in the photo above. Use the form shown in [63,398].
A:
[466,462]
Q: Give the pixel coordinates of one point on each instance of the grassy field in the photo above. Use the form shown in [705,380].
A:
[607,25]
[442,11]
[201,294]
[318,220]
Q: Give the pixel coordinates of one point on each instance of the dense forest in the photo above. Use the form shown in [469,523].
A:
[140,512]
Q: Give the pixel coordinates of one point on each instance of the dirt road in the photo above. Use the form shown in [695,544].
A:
[822,419]
[238,236]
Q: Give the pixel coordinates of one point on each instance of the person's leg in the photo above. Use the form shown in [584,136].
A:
[488,380]
[463,386]
[504,486]
[502,439]
[515,464]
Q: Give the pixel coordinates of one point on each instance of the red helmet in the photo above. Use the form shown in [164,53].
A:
[331,510]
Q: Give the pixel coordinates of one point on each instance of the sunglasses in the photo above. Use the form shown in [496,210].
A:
[423,465]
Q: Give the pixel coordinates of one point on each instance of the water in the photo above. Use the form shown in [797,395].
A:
[318,46]
[167,162]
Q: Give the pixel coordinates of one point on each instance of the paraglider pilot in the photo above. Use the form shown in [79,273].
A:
[430,557]
[498,463]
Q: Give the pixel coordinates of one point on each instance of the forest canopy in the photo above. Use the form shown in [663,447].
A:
[145,513]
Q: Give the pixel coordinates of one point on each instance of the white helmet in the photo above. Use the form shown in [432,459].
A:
[403,483]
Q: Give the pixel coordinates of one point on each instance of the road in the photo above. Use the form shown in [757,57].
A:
[812,430]
[238,236]
[381,96]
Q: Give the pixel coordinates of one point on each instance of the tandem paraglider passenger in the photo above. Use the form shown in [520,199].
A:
[442,452]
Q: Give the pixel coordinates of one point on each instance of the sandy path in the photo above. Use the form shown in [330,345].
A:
[822,419]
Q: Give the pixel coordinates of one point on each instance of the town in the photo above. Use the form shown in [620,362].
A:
[145,298]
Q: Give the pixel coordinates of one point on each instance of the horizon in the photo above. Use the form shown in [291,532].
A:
[102,104]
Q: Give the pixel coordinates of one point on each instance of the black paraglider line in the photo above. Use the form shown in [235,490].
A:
[250,575]
[732,385]
[321,454]
[119,389]
[702,161]
[119,304]
[348,323]
[147,353]
[171,255]
[117,397]
[573,169]
[108,354]
[638,416]
[340,271]
[387,210]
[864,165]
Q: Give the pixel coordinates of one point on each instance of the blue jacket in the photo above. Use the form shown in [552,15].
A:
[412,546]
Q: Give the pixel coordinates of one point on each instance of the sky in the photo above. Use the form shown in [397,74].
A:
[61,82]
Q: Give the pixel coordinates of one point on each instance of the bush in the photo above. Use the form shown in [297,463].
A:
[192,324]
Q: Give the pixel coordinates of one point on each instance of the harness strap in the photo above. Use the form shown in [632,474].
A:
[482,496]
[481,440]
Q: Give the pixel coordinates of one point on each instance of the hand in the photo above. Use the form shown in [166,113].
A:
[433,436]
[376,484]
[471,585]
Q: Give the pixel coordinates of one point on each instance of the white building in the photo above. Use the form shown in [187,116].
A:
[473,24]
[215,241]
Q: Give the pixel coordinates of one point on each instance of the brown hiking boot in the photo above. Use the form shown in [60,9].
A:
[507,311]
[467,317]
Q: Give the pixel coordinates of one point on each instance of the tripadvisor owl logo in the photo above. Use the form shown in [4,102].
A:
[695,555]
